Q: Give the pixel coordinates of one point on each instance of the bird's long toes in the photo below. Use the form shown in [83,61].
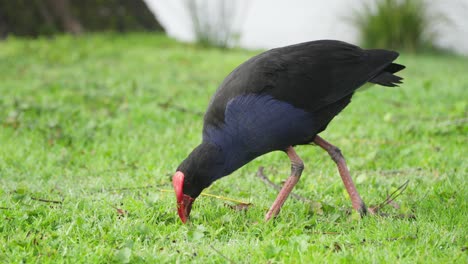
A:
[363,211]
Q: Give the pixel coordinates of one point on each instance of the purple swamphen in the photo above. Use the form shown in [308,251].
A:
[274,101]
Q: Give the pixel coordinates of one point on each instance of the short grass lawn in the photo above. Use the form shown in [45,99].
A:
[92,129]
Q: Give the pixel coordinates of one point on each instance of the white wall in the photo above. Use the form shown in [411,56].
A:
[273,23]
[453,33]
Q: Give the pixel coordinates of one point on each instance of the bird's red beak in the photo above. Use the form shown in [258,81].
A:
[184,202]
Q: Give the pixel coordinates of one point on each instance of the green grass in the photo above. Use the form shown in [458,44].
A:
[81,122]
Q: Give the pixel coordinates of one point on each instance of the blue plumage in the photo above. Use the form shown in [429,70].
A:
[256,124]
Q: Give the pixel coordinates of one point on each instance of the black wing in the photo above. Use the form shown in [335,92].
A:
[309,75]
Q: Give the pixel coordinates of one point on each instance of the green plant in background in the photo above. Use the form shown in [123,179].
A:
[214,23]
[396,24]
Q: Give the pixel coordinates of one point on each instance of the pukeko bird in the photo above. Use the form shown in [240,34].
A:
[276,100]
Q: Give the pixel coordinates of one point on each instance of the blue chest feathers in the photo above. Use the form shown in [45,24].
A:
[257,124]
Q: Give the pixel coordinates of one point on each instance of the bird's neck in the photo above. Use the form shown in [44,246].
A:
[235,153]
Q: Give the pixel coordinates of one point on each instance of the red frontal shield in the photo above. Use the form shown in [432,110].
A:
[184,202]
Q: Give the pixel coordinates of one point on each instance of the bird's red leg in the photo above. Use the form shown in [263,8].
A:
[296,170]
[338,158]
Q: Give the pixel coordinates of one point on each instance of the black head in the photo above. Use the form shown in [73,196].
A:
[201,168]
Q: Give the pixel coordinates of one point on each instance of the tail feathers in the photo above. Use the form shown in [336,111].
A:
[394,67]
[386,77]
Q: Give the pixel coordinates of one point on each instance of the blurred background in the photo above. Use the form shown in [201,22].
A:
[410,25]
